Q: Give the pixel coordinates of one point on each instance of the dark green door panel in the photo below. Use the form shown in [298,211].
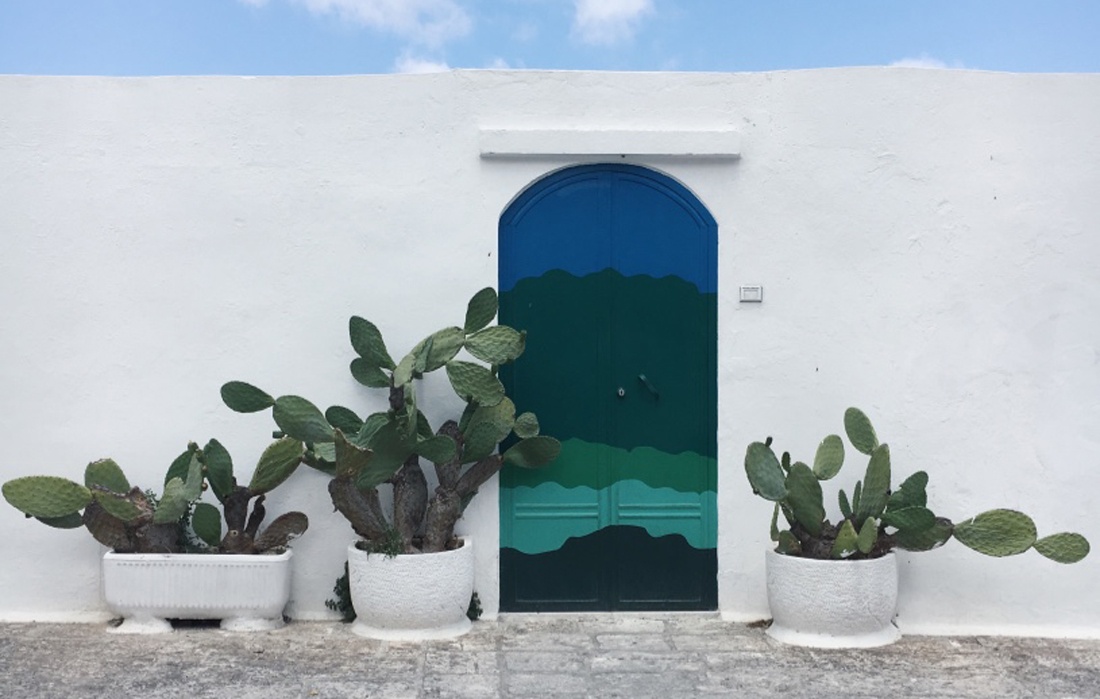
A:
[610,269]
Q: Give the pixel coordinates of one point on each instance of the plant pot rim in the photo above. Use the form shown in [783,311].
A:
[220,557]
[354,546]
[832,561]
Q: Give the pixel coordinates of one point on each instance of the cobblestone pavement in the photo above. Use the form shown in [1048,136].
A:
[636,656]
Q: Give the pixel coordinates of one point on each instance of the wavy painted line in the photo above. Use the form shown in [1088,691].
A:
[596,466]
[546,516]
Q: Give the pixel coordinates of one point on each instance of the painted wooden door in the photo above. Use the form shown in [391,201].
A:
[611,271]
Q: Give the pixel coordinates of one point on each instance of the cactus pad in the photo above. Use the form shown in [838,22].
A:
[997,533]
[300,419]
[527,425]
[106,474]
[804,498]
[860,431]
[370,375]
[927,539]
[46,496]
[876,485]
[481,310]
[121,507]
[276,464]
[473,382]
[219,469]
[534,452]
[847,541]
[499,344]
[206,520]
[438,449]
[1066,547]
[280,532]
[367,342]
[765,474]
[350,458]
[245,398]
[829,457]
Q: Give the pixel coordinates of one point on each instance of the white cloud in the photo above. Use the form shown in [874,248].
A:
[922,61]
[411,64]
[425,22]
[609,21]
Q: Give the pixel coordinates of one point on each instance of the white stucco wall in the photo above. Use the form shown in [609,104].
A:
[926,241]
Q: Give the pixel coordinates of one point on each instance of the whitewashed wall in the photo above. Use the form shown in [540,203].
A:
[927,242]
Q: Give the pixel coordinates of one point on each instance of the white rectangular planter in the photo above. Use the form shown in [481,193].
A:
[247,593]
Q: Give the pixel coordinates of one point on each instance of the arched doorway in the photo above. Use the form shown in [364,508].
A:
[611,271]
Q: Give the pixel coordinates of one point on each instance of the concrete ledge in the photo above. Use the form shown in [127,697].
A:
[723,144]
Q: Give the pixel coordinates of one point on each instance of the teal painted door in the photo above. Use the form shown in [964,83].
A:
[611,271]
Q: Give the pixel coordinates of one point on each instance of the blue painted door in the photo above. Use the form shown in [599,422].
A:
[611,270]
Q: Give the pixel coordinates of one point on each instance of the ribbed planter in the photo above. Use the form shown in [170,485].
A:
[247,593]
[833,604]
[415,597]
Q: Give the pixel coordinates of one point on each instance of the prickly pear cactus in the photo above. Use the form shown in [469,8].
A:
[879,519]
[386,447]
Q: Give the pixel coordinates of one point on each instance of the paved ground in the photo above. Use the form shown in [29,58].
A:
[531,656]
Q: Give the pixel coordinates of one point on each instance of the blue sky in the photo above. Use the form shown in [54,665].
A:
[322,37]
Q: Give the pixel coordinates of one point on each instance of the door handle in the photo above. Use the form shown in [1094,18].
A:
[649,386]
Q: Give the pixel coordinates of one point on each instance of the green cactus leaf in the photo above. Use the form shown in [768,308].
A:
[501,416]
[997,533]
[48,497]
[860,431]
[787,544]
[372,424]
[534,452]
[773,531]
[868,534]
[481,310]
[911,493]
[914,518]
[120,507]
[479,441]
[245,398]
[499,344]
[370,375]
[73,520]
[181,465]
[847,541]
[279,533]
[300,419]
[441,347]
[856,493]
[439,449]
[409,421]
[404,371]
[367,342]
[785,462]
[106,474]
[845,508]
[876,485]
[527,425]
[179,494]
[829,457]
[423,427]
[475,382]
[206,520]
[804,498]
[764,472]
[350,458]
[278,461]
[1066,547]
[391,445]
[219,469]
[322,457]
[927,539]
[343,419]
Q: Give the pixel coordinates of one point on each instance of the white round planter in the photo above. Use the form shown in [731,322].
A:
[247,593]
[413,597]
[833,604]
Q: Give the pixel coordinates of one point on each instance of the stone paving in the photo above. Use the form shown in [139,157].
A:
[636,656]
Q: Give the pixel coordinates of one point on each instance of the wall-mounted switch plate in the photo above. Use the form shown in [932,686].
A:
[752,294]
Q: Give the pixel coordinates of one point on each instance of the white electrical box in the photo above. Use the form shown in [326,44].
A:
[752,294]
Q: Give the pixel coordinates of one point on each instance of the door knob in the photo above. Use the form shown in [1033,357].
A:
[621,392]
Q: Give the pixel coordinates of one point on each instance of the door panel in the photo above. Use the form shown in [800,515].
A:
[610,271]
